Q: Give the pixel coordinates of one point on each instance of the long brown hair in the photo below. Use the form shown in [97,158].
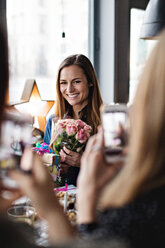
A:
[94,98]
[4,70]
[145,168]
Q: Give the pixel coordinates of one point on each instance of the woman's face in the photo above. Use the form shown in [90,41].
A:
[74,86]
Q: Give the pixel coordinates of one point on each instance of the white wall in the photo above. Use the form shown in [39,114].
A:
[106,71]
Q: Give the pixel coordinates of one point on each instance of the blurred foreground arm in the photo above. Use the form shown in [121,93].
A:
[95,173]
[39,188]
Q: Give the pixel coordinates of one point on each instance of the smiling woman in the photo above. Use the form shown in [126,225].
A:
[78,97]
[78,70]
[74,88]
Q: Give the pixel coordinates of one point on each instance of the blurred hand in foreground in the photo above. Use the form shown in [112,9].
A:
[38,186]
[95,173]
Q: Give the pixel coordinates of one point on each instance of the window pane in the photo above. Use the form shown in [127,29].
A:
[36,45]
[139,50]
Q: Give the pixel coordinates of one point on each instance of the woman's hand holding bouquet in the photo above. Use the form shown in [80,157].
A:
[69,139]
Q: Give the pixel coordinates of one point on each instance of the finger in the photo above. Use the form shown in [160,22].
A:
[96,140]
[26,164]
[14,196]
[39,170]
[74,160]
[13,190]
[31,161]
[94,158]
[67,151]
[67,159]
[73,156]
[10,195]
[5,203]
[62,155]
[99,144]
[100,137]
[89,145]
[99,128]
[22,179]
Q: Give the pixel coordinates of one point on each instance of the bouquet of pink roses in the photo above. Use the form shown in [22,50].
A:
[70,133]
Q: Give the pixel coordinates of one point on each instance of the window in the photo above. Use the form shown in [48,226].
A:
[36,45]
[139,50]
[41,3]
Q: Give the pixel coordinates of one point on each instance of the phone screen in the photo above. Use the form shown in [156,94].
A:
[16,135]
[114,119]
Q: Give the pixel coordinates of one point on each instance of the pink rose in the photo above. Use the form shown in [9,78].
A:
[70,121]
[71,129]
[80,124]
[87,128]
[60,127]
[82,136]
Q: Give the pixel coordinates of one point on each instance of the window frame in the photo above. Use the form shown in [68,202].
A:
[3,12]
[122,46]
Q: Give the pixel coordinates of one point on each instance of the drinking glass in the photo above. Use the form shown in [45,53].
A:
[22,214]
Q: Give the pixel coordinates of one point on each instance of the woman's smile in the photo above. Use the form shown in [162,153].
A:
[72,96]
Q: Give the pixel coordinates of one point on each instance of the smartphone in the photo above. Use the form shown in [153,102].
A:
[114,119]
[15,136]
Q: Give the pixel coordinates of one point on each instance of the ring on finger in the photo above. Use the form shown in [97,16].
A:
[96,148]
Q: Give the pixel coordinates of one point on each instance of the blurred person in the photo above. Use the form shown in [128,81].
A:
[4,70]
[4,77]
[133,206]
[78,97]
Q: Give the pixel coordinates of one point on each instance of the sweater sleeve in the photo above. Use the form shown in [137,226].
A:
[140,222]
[48,130]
